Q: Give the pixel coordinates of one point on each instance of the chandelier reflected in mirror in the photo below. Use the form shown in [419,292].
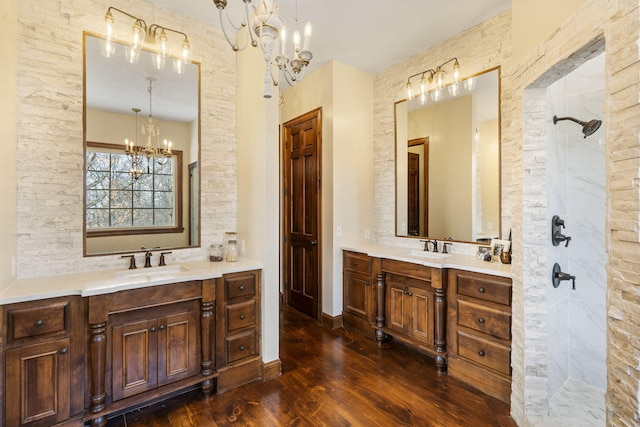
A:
[151,129]
[266,28]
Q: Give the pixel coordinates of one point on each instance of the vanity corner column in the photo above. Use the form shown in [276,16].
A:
[381,336]
[439,285]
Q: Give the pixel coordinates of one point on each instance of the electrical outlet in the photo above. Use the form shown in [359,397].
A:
[367,233]
[242,247]
[339,231]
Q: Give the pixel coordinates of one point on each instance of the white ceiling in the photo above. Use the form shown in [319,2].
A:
[349,31]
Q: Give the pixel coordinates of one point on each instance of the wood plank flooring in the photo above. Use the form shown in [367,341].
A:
[334,378]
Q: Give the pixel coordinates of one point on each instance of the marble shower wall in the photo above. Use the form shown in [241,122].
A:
[576,191]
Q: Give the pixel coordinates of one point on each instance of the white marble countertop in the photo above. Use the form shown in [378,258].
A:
[437,260]
[109,281]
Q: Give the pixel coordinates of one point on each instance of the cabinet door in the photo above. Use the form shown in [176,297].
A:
[422,314]
[177,349]
[38,384]
[134,367]
[357,294]
[396,308]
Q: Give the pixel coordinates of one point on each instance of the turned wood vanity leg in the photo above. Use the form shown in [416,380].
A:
[207,328]
[98,358]
[381,337]
[441,322]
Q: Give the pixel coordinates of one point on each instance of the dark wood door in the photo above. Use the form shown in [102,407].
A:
[302,173]
[38,384]
[413,198]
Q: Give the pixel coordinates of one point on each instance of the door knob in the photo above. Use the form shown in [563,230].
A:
[313,243]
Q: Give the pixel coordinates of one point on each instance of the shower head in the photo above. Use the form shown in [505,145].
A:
[588,128]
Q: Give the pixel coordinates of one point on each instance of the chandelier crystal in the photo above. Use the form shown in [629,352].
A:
[266,28]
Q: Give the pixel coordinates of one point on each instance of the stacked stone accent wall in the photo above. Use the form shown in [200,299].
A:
[50,130]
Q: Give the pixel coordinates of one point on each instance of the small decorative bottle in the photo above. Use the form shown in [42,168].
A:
[215,252]
[232,251]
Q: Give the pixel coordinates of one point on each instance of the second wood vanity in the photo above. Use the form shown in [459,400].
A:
[462,318]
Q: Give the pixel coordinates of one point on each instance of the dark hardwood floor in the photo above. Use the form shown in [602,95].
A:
[334,378]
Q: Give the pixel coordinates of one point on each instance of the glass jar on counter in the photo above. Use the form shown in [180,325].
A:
[216,252]
[232,251]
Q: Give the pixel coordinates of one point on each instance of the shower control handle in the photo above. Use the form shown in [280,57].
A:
[558,276]
[557,224]
[559,237]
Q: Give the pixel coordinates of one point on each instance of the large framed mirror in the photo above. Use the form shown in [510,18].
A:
[447,160]
[134,201]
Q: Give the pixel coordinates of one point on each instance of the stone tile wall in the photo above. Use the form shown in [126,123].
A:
[50,130]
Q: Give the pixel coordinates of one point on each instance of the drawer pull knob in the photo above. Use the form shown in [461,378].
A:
[241,348]
[242,317]
[241,288]
[481,353]
[39,323]
[161,327]
[481,290]
[153,329]
[64,350]
[480,320]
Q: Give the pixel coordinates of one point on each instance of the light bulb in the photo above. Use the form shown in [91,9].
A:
[409,90]
[436,95]
[283,40]
[423,98]
[456,71]
[454,89]
[470,83]
[185,50]
[307,35]
[423,85]
[296,40]
[440,73]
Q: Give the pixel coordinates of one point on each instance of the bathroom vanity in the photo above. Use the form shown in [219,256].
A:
[79,348]
[452,307]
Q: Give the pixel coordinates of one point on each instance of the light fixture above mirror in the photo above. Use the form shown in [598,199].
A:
[154,35]
[266,28]
[434,81]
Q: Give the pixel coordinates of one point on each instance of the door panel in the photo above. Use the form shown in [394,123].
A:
[134,358]
[301,218]
[176,351]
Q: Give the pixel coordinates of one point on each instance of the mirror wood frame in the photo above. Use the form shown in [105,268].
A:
[187,166]
[407,142]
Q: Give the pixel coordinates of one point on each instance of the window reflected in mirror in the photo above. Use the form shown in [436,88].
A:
[448,164]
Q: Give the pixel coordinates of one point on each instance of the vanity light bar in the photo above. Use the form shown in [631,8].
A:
[432,82]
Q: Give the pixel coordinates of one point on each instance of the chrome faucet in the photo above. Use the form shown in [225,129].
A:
[147,259]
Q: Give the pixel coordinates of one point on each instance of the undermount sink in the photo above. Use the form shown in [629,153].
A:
[150,273]
[426,254]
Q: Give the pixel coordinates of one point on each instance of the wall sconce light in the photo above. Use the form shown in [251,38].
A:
[140,33]
[265,28]
[433,82]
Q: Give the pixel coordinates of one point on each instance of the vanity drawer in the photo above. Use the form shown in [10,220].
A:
[240,346]
[487,288]
[356,262]
[242,315]
[484,352]
[38,320]
[240,286]
[484,319]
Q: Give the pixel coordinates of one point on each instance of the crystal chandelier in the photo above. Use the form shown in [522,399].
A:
[155,35]
[265,27]
[150,151]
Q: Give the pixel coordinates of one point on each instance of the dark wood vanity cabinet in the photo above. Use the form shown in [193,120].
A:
[43,354]
[359,296]
[479,334]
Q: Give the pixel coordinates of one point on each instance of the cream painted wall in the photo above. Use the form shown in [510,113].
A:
[489,176]
[535,21]
[9,137]
[258,188]
[345,95]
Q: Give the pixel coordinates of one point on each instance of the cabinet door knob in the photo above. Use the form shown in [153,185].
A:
[39,323]
[367,283]
[64,350]
[242,317]
[241,288]
[481,290]
[161,327]
[153,329]
[241,348]
[481,353]
[480,320]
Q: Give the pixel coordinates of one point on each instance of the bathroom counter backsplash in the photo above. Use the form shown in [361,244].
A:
[438,260]
[109,281]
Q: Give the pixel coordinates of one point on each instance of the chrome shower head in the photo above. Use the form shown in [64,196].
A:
[588,128]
